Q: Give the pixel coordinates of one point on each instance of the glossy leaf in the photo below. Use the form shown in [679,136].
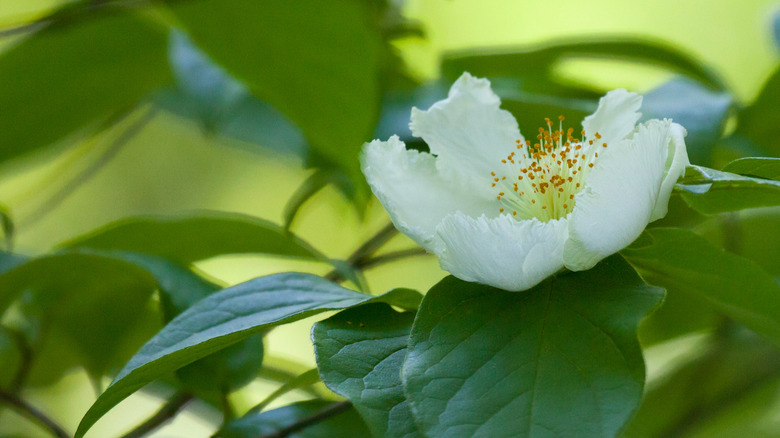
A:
[759,167]
[359,353]
[561,359]
[702,112]
[711,191]
[256,423]
[77,75]
[526,62]
[331,91]
[683,262]
[229,316]
[189,238]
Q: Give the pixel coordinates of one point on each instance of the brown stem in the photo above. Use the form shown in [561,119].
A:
[32,413]
[166,412]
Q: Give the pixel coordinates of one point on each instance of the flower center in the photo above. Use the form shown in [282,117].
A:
[541,179]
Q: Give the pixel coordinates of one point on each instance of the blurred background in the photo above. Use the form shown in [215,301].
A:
[121,108]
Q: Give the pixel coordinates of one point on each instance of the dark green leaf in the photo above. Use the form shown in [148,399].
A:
[306,379]
[229,316]
[64,78]
[702,112]
[11,357]
[360,352]
[759,167]
[347,424]
[683,262]
[61,289]
[561,359]
[529,63]
[681,313]
[331,90]
[711,191]
[188,238]
[758,122]
[730,369]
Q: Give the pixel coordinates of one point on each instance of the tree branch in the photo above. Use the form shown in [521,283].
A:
[366,250]
[32,413]
[330,411]
[166,412]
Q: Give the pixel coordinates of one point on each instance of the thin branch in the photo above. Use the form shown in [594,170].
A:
[86,174]
[330,411]
[392,256]
[32,413]
[25,364]
[366,250]
[162,416]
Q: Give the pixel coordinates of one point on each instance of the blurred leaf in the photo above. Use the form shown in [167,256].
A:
[61,290]
[255,423]
[758,122]
[331,87]
[11,357]
[702,112]
[229,316]
[189,238]
[767,168]
[66,77]
[7,225]
[310,187]
[535,63]
[530,109]
[711,191]
[359,353]
[561,359]
[306,379]
[681,313]
[776,28]
[683,262]
[729,370]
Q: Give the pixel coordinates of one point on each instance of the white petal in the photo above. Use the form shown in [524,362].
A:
[408,185]
[502,252]
[619,196]
[676,160]
[468,131]
[615,117]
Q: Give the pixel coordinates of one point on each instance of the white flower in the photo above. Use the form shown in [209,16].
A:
[500,210]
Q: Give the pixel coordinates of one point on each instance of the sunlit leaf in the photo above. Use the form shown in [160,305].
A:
[561,359]
[255,423]
[712,191]
[319,65]
[67,77]
[759,167]
[189,238]
[229,316]
[683,262]
[359,353]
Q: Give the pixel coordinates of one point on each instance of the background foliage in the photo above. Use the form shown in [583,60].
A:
[158,156]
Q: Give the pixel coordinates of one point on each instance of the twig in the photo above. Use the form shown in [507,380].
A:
[71,186]
[330,411]
[366,250]
[392,256]
[30,412]
[166,412]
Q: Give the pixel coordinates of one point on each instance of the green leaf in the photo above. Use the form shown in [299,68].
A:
[229,316]
[702,112]
[61,290]
[759,167]
[7,225]
[561,359]
[11,357]
[683,262]
[711,191]
[758,122]
[776,28]
[530,63]
[77,75]
[330,90]
[189,238]
[256,424]
[730,368]
[359,353]
[306,379]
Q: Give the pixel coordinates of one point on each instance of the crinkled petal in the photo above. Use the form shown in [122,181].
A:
[676,161]
[619,196]
[615,118]
[415,196]
[501,251]
[468,131]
